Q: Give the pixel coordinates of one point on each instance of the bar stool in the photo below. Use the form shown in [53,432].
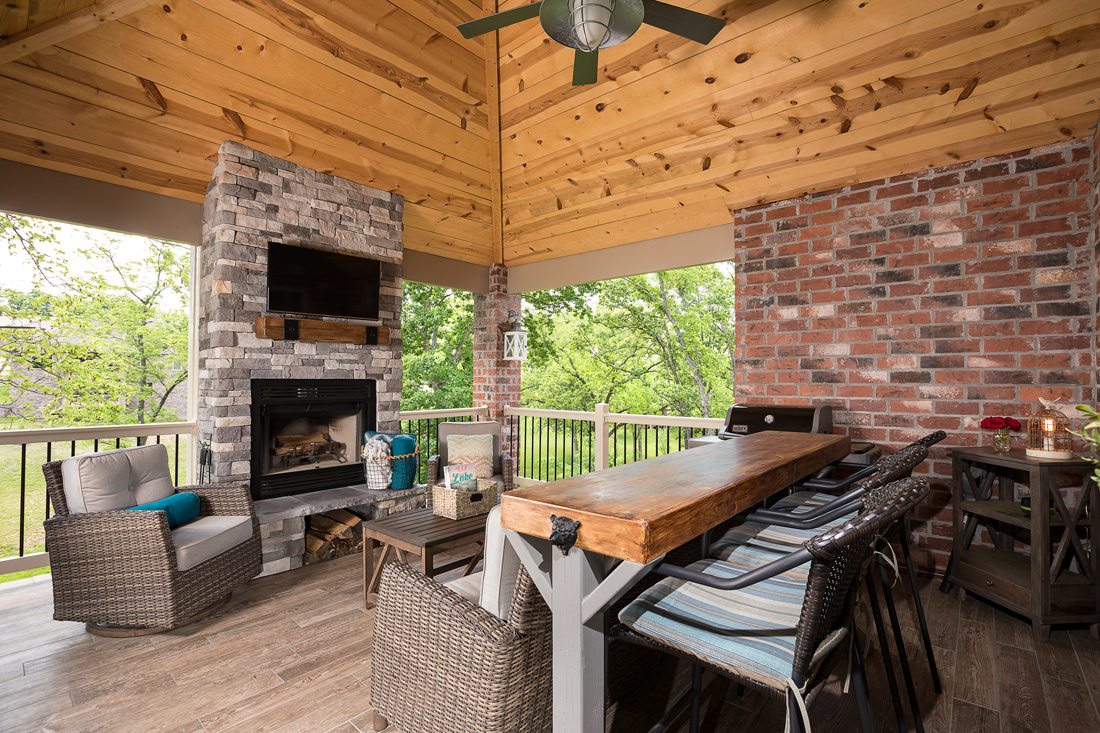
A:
[783,527]
[776,622]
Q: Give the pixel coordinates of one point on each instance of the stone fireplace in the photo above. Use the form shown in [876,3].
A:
[254,199]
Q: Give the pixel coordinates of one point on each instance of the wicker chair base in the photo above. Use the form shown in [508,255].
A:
[124,632]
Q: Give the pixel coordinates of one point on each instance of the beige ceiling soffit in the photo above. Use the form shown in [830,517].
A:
[61,29]
[430,269]
[700,247]
[32,191]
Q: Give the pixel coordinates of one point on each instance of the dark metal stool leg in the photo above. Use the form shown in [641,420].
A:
[859,682]
[884,647]
[899,643]
[919,606]
[696,695]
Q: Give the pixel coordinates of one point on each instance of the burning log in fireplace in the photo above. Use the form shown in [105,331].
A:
[333,534]
[307,447]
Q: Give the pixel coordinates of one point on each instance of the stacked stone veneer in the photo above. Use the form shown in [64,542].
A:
[253,199]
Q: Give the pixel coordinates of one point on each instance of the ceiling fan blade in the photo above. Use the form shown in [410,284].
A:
[499,20]
[687,23]
[585,66]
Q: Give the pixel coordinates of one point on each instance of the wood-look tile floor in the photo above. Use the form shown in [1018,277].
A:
[292,653]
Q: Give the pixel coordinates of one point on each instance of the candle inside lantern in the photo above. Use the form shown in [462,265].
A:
[1048,433]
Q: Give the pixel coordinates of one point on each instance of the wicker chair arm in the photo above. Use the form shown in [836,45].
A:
[433,469]
[110,537]
[450,613]
[222,500]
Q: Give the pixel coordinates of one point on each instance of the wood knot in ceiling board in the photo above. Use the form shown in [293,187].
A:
[742,57]
[152,91]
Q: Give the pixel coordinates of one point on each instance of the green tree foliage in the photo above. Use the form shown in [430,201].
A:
[107,345]
[661,343]
[438,356]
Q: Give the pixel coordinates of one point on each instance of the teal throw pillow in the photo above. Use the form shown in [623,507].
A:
[181,508]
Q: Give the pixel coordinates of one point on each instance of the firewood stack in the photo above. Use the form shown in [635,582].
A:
[332,534]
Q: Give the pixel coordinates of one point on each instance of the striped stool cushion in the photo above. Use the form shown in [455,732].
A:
[774,540]
[750,632]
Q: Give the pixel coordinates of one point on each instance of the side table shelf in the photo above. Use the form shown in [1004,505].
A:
[1058,579]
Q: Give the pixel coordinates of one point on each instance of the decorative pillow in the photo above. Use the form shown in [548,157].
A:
[475,449]
[181,508]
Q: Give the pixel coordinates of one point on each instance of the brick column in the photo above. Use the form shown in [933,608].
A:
[496,381]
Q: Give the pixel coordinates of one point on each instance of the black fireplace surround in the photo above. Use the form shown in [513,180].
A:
[307,434]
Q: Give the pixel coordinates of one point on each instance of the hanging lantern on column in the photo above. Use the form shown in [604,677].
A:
[515,339]
[1048,433]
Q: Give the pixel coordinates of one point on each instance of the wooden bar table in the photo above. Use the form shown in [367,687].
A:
[586,540]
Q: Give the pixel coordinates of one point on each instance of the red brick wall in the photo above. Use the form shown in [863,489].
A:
[1096,256]
[925,301]
[496,381]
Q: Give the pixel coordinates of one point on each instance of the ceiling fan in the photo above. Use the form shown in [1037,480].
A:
[589,25]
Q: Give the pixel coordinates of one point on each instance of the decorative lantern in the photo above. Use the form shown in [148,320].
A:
[515,345]
[515,339]
[1048,433]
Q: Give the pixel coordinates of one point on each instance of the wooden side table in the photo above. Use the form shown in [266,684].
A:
[423,533]
[1041,586]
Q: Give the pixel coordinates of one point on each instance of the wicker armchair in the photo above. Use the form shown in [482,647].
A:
[118,572]
[503,465]
[442,663]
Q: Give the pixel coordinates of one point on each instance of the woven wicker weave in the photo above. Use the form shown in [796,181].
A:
[460,504]
[441,663]
[118,568]
[840,559]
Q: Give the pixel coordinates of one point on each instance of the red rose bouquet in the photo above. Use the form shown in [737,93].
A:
[1002,439]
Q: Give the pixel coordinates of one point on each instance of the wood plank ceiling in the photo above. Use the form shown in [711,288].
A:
[793,96]
[387,94]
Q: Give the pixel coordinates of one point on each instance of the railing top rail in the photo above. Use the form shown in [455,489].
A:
[552,414]
[674,421]
[451,412]
[95,432]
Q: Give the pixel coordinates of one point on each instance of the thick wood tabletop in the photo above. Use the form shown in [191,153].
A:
[642,510]
[422,528]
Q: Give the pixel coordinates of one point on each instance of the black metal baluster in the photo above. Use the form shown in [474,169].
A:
[72,448]
[23,495]
[118,443]
[95,446]
[49,457]
[177,459]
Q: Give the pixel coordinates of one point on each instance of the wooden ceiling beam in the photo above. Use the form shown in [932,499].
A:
[67,26]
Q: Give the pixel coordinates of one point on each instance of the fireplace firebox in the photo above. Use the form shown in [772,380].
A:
[307,434]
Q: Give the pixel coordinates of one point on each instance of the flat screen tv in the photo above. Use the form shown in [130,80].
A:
[313,282]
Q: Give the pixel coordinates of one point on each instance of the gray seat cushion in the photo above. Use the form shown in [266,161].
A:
[468,586]
[116,479]
[494,586]
[207,537]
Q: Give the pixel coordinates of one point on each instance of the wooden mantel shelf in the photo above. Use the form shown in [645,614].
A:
[642,510]
[310,329]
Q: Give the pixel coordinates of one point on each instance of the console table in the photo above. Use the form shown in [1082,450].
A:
[1039,586]
[586,540]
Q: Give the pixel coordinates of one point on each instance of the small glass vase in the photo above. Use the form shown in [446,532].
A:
[1002,440]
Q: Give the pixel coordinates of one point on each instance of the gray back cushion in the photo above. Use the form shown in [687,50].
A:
[469,428]
[116,479]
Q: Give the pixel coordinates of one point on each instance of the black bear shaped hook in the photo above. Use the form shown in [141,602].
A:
[563,533]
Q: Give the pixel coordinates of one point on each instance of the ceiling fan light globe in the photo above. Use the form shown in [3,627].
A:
[589,25]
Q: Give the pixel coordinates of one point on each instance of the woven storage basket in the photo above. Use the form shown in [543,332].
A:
[461,503]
